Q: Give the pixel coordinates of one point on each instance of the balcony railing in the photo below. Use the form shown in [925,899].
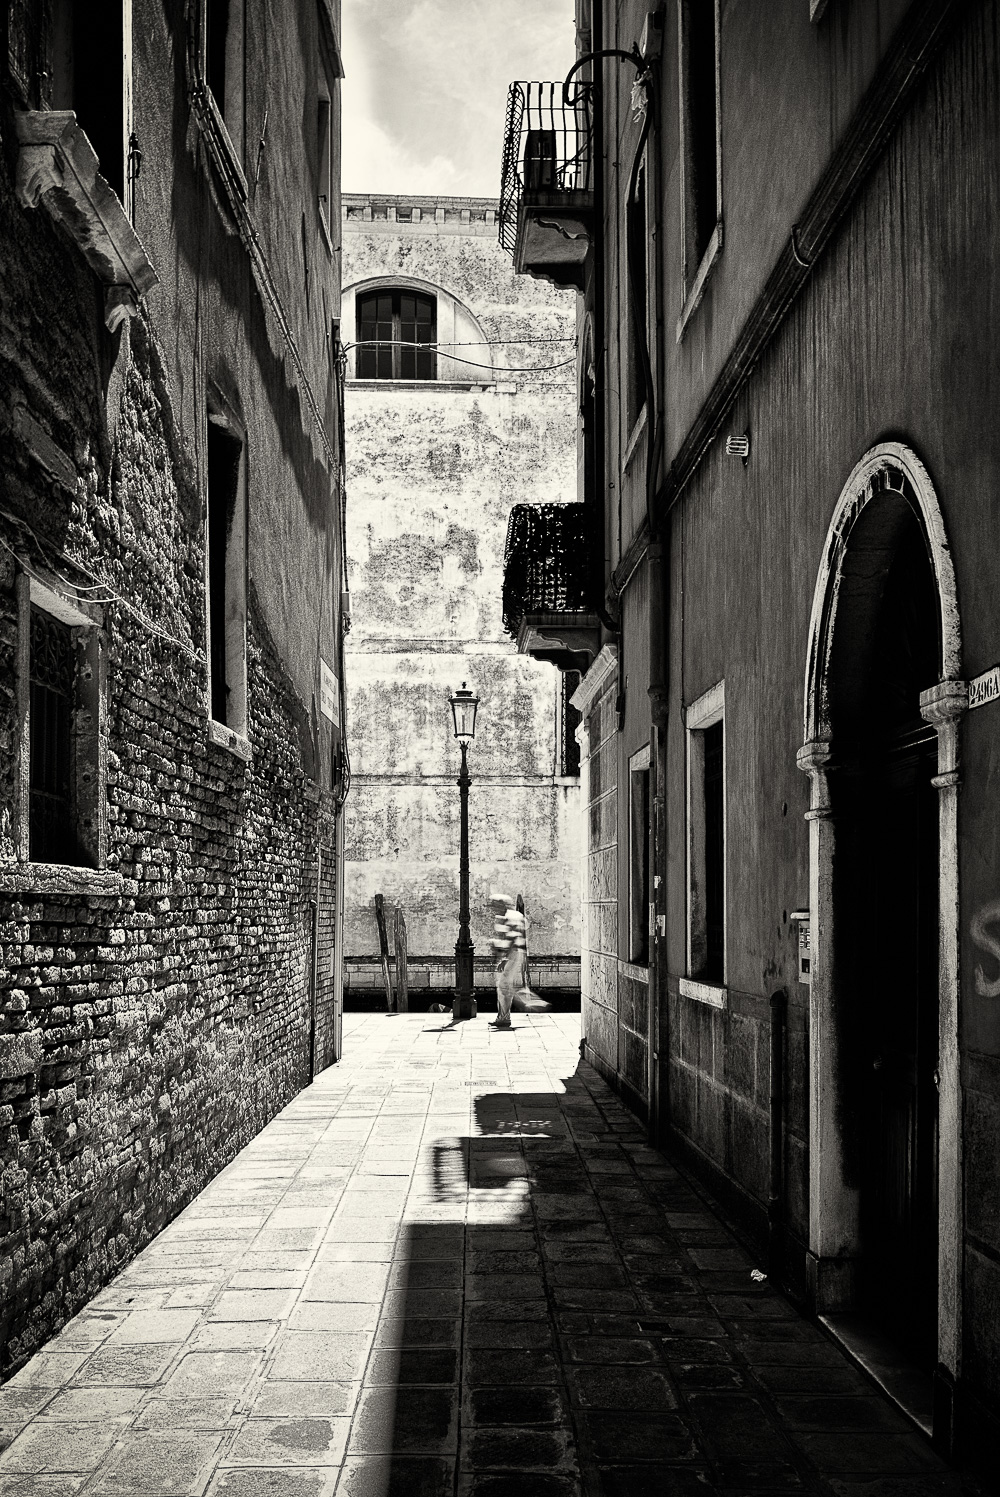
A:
[546,167]
[546,562]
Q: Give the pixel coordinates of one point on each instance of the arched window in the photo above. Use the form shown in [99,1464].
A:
[396,334]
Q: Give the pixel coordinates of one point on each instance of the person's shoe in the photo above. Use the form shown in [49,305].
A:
[500,1024]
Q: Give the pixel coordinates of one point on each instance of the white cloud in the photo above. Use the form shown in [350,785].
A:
[425,94]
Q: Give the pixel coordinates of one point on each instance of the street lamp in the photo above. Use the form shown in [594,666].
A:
[463,710]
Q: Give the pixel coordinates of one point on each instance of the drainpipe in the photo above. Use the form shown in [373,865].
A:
[776,1099]
[657,564]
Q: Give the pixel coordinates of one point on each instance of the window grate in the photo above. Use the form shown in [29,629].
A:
[569,759]
[548,559]
[50,799]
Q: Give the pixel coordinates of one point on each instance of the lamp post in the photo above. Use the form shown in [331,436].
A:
[463,710]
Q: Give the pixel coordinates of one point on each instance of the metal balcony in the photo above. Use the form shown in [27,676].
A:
[546,185]
[547,584]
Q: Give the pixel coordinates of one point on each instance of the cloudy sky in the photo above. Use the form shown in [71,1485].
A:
[426,87]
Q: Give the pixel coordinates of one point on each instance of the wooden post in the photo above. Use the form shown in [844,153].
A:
[402,979]
[383,947]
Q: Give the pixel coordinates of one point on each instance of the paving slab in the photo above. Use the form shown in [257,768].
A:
[452,1267]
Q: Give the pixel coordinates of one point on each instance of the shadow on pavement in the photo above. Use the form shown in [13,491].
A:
[572,1319]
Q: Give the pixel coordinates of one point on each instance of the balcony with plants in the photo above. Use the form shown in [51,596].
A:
[548,584]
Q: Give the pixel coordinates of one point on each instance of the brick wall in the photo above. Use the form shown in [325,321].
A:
[156,1011]
[147,1034]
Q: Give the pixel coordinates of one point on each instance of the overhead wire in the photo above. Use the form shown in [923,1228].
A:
[442,350]
[111,598]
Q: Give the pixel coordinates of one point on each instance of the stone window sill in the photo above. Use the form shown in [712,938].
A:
[634,438]
[228,738]
[57,168]
[59,878]
[714,994]
[697,291]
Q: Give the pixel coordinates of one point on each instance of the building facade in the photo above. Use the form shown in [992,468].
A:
[776,220]
[459,402]
[171,567]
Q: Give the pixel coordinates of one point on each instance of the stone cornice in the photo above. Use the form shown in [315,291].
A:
[57,169]
[589,688]
[364,211]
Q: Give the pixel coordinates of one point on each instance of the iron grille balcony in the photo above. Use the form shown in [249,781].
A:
[546,185]
[547,584]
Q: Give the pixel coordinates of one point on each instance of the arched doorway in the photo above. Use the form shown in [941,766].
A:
[886,651]
[882,704]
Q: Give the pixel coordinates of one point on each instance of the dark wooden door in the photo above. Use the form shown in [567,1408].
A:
[898,845]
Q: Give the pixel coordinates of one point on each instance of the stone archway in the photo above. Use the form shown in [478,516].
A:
[887,491]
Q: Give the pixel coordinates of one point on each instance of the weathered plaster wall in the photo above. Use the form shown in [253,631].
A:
[599,957]
[433,471]
[891,338]
[155,1013]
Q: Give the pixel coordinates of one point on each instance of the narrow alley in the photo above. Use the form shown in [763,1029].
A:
[451,1265]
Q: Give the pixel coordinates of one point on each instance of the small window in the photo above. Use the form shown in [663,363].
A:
[324,123]
[638,855]
[50,810]
[707,838]
[397,331]
[63,812]
[714,787]
[635,219]
[569,721]
[328,72]
[701,128]
[89,59]
[224,63]
[226,574]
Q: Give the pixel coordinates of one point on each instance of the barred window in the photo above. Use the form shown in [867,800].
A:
[638,857]
[569,758]
[226,574]
[51,813]
[713,788]
[706,748]
[396,334]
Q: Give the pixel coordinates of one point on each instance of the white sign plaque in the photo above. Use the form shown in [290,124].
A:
[329,693]
[985,688]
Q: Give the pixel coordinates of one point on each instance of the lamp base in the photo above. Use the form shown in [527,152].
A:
[464,1008]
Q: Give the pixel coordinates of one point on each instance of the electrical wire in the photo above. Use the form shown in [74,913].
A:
[469,363]
[112,598]
[469,343]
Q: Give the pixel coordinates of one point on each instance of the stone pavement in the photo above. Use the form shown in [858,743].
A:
[451,1266]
